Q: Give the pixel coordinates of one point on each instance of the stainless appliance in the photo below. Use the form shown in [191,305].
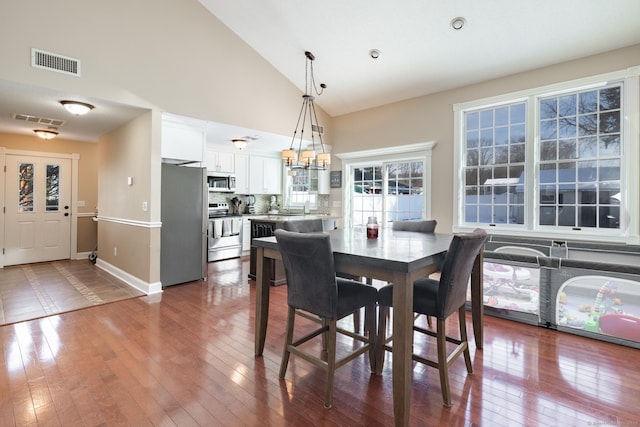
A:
[183,236]
[225,233]
[221,182]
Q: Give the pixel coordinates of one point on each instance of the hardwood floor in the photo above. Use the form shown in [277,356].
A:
[185,358]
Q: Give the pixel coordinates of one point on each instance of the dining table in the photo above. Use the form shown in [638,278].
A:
[398,257]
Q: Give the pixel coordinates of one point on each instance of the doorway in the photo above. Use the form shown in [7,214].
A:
[38,198]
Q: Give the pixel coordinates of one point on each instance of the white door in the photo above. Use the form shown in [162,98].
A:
[38,209]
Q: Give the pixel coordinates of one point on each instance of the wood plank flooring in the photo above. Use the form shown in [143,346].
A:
[185,358]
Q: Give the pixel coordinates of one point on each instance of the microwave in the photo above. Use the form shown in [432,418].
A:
[221,182]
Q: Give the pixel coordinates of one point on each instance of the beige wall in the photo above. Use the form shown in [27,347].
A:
[87,176]
[430,118]
[126,231]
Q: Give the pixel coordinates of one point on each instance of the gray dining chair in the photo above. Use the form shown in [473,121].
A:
[313,289]
[438,298]
[313,226]
[423,226]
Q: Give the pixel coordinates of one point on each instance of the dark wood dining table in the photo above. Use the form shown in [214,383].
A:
[399,257]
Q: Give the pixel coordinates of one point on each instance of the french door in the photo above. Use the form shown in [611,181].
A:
[38,209]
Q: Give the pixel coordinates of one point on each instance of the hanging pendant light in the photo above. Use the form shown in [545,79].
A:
[307,157]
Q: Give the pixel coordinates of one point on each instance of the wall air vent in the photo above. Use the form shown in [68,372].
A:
[317,128]
[55,62]
[38,120]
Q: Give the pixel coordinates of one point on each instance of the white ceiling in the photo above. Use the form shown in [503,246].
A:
[420,52]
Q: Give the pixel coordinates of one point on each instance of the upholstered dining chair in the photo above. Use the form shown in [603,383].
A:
[313,289]
[439,298]
[313,226]
[423,226]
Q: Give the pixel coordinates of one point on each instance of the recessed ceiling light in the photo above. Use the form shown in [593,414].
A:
[374,53]
[76,107]
[458,23]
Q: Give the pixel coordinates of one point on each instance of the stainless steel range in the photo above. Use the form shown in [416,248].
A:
[224,234]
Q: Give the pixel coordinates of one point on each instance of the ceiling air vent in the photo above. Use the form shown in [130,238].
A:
[55,62]
[38,120]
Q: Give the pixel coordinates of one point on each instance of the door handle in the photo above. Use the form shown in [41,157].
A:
[66,214]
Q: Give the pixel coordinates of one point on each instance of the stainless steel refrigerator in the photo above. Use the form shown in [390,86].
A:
[183,250]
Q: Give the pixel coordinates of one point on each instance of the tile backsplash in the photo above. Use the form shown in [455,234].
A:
[263,201]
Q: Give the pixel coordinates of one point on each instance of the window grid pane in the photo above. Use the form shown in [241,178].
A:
[495,158]
[580,182]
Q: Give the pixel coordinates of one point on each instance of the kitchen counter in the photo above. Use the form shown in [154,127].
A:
[279,218]
[263,225]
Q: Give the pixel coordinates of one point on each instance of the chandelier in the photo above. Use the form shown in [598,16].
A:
[307,157]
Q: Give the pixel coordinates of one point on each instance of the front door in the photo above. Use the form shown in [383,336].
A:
[38,209]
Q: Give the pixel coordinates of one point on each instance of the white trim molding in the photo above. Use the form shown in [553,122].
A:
[133,281]
[132,222]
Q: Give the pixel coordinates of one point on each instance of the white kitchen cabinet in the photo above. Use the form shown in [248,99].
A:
[265,175]
[242,173]
[246,234]
[219,161]
[183,139]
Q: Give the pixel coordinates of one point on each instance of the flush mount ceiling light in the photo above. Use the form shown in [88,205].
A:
[458,23]
[239,143]
[76,107]
[46,133]
[308,158]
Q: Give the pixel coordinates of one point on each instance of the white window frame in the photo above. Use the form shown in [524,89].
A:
[402,153]
[630,216]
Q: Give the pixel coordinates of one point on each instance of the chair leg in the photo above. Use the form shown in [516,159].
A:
[442,362]
[383,314]
[324,334]
[291,315]
[462,319]
[331,363]
[356,321]
[370,317]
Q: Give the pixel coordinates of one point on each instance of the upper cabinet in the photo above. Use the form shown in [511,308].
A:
[183,139]
[242,173]
[265,175]
[219,161]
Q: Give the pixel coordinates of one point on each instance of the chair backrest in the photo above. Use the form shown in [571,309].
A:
[425,226]
[303,225]
[310,271]
[456,270]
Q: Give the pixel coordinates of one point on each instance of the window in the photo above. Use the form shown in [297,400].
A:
[301,187]
[388,191]
[550,160]
[25,184]
[391,184]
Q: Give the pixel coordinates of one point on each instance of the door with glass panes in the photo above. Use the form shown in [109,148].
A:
[38,209]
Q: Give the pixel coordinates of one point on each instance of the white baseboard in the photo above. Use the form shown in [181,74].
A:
[134,282]
[82,255]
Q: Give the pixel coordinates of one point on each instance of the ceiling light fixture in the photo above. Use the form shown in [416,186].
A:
[76,107]
[374,53]
[308,158]
[239,143]
[458,23]
[46,133]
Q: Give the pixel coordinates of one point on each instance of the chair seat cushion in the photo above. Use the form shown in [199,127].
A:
[354,295]
[425,293]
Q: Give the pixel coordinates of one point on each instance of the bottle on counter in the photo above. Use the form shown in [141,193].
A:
[372,228]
